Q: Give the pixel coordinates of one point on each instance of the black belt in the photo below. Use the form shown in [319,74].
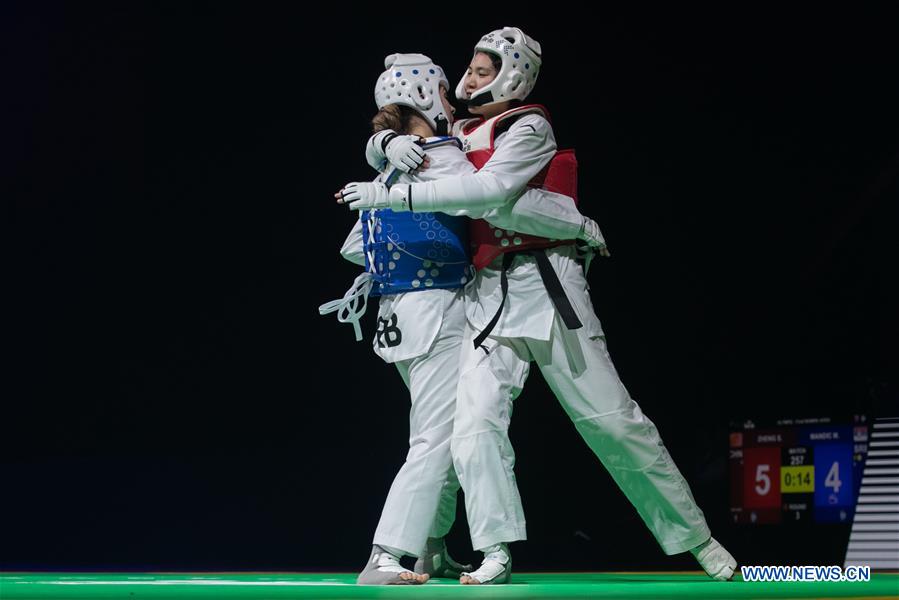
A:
[550,282]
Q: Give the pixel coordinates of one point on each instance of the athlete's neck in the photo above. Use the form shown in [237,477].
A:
[420,127]
[488,111]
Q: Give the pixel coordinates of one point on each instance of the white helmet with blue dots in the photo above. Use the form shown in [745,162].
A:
[521,57]
[413,80]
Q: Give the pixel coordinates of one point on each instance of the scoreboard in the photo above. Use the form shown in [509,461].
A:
[794,470]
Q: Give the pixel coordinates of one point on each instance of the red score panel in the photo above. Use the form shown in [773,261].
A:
[761,477]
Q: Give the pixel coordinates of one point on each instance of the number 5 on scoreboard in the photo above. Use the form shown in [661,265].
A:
[762,480]
[761,477]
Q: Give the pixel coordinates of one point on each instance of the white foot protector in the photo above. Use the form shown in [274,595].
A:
[496,567]
[716,561]
[383,568]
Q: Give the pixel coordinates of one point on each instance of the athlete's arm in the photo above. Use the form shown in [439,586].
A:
[527,148]
[535,211]
[352,246]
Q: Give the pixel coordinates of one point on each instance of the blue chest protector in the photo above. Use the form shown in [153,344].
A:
[406,251]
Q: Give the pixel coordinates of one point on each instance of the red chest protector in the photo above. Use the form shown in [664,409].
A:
[560,176]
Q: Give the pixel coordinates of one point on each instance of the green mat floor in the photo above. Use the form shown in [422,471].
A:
[135,586]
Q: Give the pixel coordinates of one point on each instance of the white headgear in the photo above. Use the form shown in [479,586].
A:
[516,78]
[413,80]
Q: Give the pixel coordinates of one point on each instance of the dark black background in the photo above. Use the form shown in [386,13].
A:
[171,398]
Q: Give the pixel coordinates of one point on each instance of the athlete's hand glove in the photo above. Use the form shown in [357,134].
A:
[404,153]
[401,151]
[363,195]
[593,237]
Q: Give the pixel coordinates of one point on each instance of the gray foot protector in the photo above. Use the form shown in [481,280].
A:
[440,564]
[383,568]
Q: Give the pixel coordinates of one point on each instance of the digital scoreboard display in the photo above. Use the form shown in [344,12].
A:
[795,470]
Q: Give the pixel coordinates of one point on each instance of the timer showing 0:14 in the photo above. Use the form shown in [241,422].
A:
[800,479]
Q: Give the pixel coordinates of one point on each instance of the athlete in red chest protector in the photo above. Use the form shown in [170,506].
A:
[531,304]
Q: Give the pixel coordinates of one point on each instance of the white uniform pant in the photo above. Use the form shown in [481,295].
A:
[580,373]
[422,499]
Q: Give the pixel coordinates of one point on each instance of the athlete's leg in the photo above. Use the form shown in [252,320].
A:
[436,560]
[489,381]
[579,370]
[425,481]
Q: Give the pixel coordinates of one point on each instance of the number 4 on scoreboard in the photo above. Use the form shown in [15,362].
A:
[833,478]
[833,471]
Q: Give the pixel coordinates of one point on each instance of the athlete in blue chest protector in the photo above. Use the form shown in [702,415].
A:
[418,264]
